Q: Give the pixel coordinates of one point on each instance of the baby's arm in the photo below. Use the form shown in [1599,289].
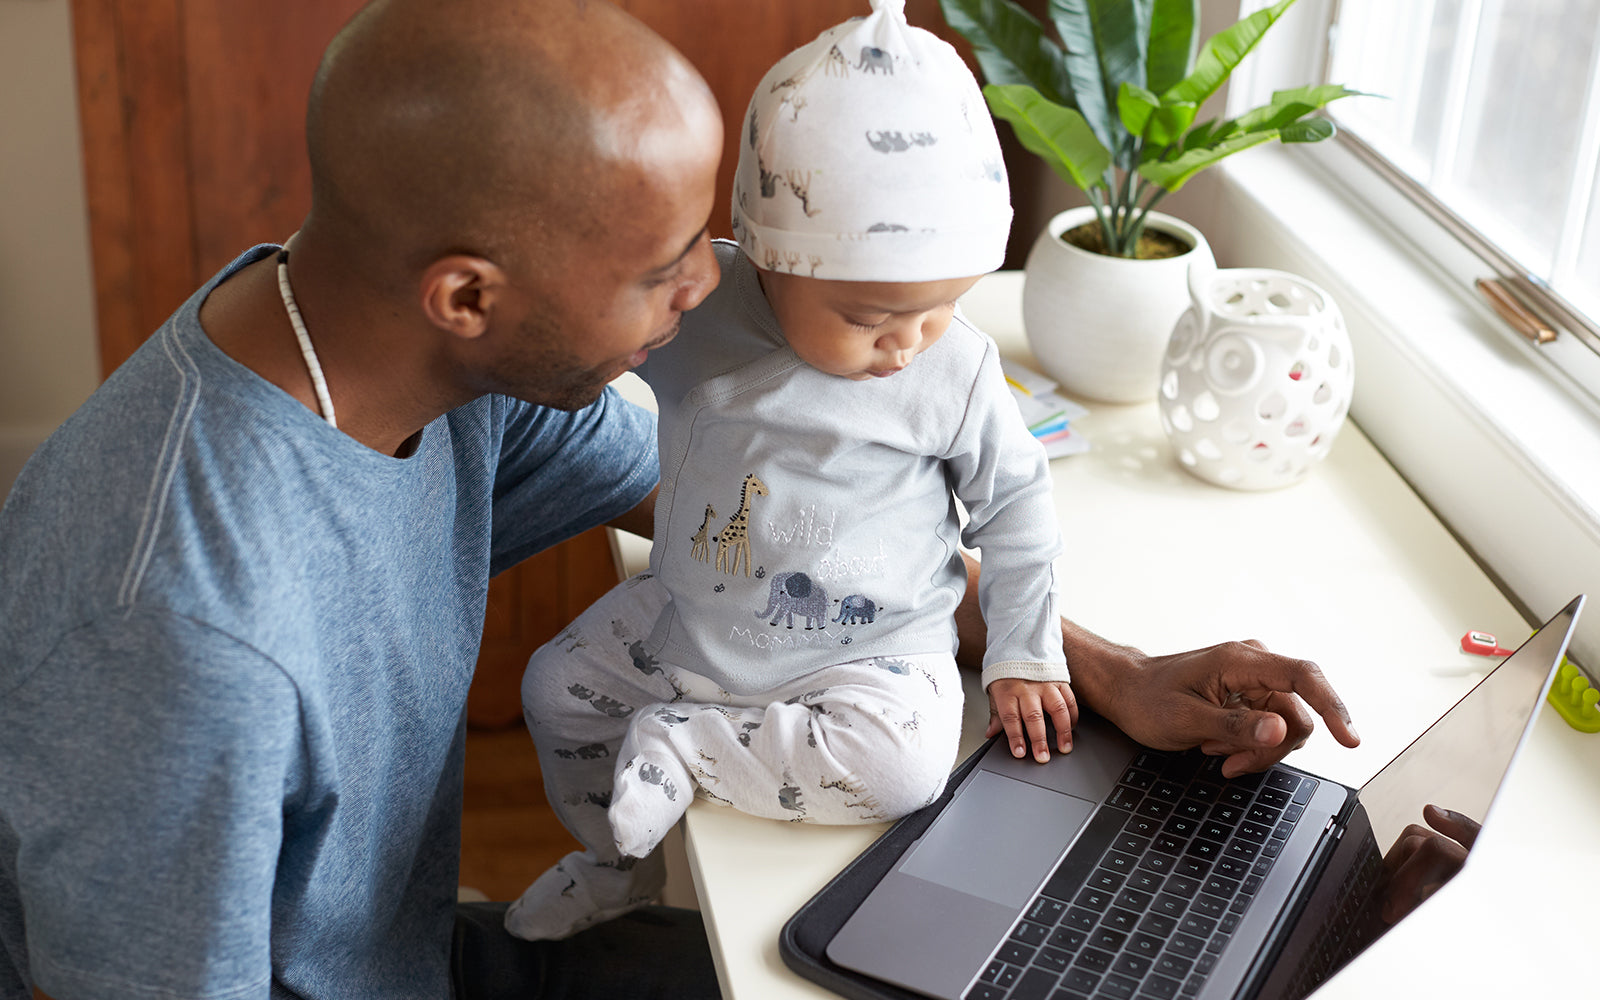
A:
[1020,707]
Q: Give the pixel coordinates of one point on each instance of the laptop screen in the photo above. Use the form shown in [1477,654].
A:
[1457,766]
[1460,761]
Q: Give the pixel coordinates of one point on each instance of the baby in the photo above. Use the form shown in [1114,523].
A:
[791,650]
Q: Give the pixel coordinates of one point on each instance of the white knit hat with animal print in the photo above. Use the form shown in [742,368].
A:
[869,155]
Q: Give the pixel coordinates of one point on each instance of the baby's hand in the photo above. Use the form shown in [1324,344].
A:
[1020,708]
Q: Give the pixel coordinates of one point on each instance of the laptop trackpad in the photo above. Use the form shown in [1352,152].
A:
[1022,827]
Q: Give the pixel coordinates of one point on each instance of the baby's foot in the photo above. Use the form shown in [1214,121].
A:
[557,905]
[651,794]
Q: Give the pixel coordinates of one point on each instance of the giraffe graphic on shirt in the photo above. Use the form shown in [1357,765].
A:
[733,541]
[701,549]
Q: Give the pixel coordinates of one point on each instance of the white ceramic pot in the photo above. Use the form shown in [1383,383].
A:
[1257,378]
[1099,325]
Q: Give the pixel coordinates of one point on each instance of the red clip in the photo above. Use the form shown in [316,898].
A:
[1483,644]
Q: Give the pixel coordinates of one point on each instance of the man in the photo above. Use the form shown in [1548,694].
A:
[241,590]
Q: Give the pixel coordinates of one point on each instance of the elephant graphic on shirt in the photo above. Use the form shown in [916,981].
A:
[796,594]
[855,609]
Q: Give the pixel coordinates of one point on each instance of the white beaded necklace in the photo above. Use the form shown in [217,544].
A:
[309,353]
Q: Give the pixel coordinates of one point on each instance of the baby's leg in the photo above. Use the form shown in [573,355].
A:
[579,691]
[856,743]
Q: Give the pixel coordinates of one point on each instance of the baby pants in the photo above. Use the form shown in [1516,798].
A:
[858,742]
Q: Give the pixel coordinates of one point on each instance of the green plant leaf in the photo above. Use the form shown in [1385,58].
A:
[1012,46]
[1058,135]
[1135,105]
[1221,53]
[1075,24]
[1169,122]
[1174,40]
[1310,130]
[1173,174]
[1290,105]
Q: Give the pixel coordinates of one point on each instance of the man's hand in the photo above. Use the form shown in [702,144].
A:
[1020,708]
[1235,699]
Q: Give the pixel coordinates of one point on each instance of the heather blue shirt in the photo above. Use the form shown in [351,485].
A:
[235,647]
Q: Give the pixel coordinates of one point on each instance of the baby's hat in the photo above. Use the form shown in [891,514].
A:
[869,155]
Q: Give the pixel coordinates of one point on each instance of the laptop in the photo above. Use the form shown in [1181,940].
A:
[1124,872]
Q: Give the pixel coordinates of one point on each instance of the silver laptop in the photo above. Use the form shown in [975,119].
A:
[1118,871]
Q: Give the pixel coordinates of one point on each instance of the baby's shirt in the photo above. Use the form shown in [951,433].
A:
[807,519]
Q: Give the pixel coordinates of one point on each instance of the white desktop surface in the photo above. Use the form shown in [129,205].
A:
[1347,568]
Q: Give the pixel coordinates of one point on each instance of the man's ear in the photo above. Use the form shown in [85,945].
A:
[460,293]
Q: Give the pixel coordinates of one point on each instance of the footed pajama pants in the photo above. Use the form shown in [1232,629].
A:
[626,741]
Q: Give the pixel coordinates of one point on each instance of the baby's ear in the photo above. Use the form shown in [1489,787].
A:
[459,293]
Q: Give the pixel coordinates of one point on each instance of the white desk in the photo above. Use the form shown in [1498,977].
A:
[1348,568]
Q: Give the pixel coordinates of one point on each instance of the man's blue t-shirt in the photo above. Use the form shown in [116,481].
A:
[235,647]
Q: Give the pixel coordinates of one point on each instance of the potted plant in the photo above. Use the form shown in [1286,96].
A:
[1109,103]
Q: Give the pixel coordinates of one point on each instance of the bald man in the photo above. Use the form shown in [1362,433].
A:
[242,589]
[245,583]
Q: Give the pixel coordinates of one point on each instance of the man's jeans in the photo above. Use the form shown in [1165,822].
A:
[654,953]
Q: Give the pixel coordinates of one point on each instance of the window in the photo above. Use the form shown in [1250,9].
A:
[1491,108]
[1480,163]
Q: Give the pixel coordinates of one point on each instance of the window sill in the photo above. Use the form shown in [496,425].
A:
[1493,438]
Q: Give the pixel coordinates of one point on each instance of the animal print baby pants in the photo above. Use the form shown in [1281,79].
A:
[625,742]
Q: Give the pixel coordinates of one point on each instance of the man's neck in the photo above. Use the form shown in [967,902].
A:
[379,390]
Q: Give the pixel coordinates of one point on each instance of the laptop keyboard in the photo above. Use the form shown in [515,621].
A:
[1148,897]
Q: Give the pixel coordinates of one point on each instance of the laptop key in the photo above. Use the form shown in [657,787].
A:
[1131,965]
[1046,911]
[1093,899]
[1106,880]
[1015,952]
[1283,780]
[1083,920]
[1159,924]
[1093,960]
[1107,939]
[1182,885]
[1117,987]
[1219,886]
[1067,938]
[1191,867]
[1147,945]
[1147,881]
[1074,869]
[1133,899]
[1211,906]
[1169,905]
[1174,966]
[986,991]
[1186,945]
[1275,798]
[1131,843]
[1081,980]
[1121,920]
[1205,850]
[1035,984]
[1053,959]
[1138,779]
[1030,933]
[1191,808]
[1123,797]
[1199,926]
[1303,794]
[1263,814]
[1160,987]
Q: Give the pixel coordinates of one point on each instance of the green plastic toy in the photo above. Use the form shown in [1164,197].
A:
[1573,697]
